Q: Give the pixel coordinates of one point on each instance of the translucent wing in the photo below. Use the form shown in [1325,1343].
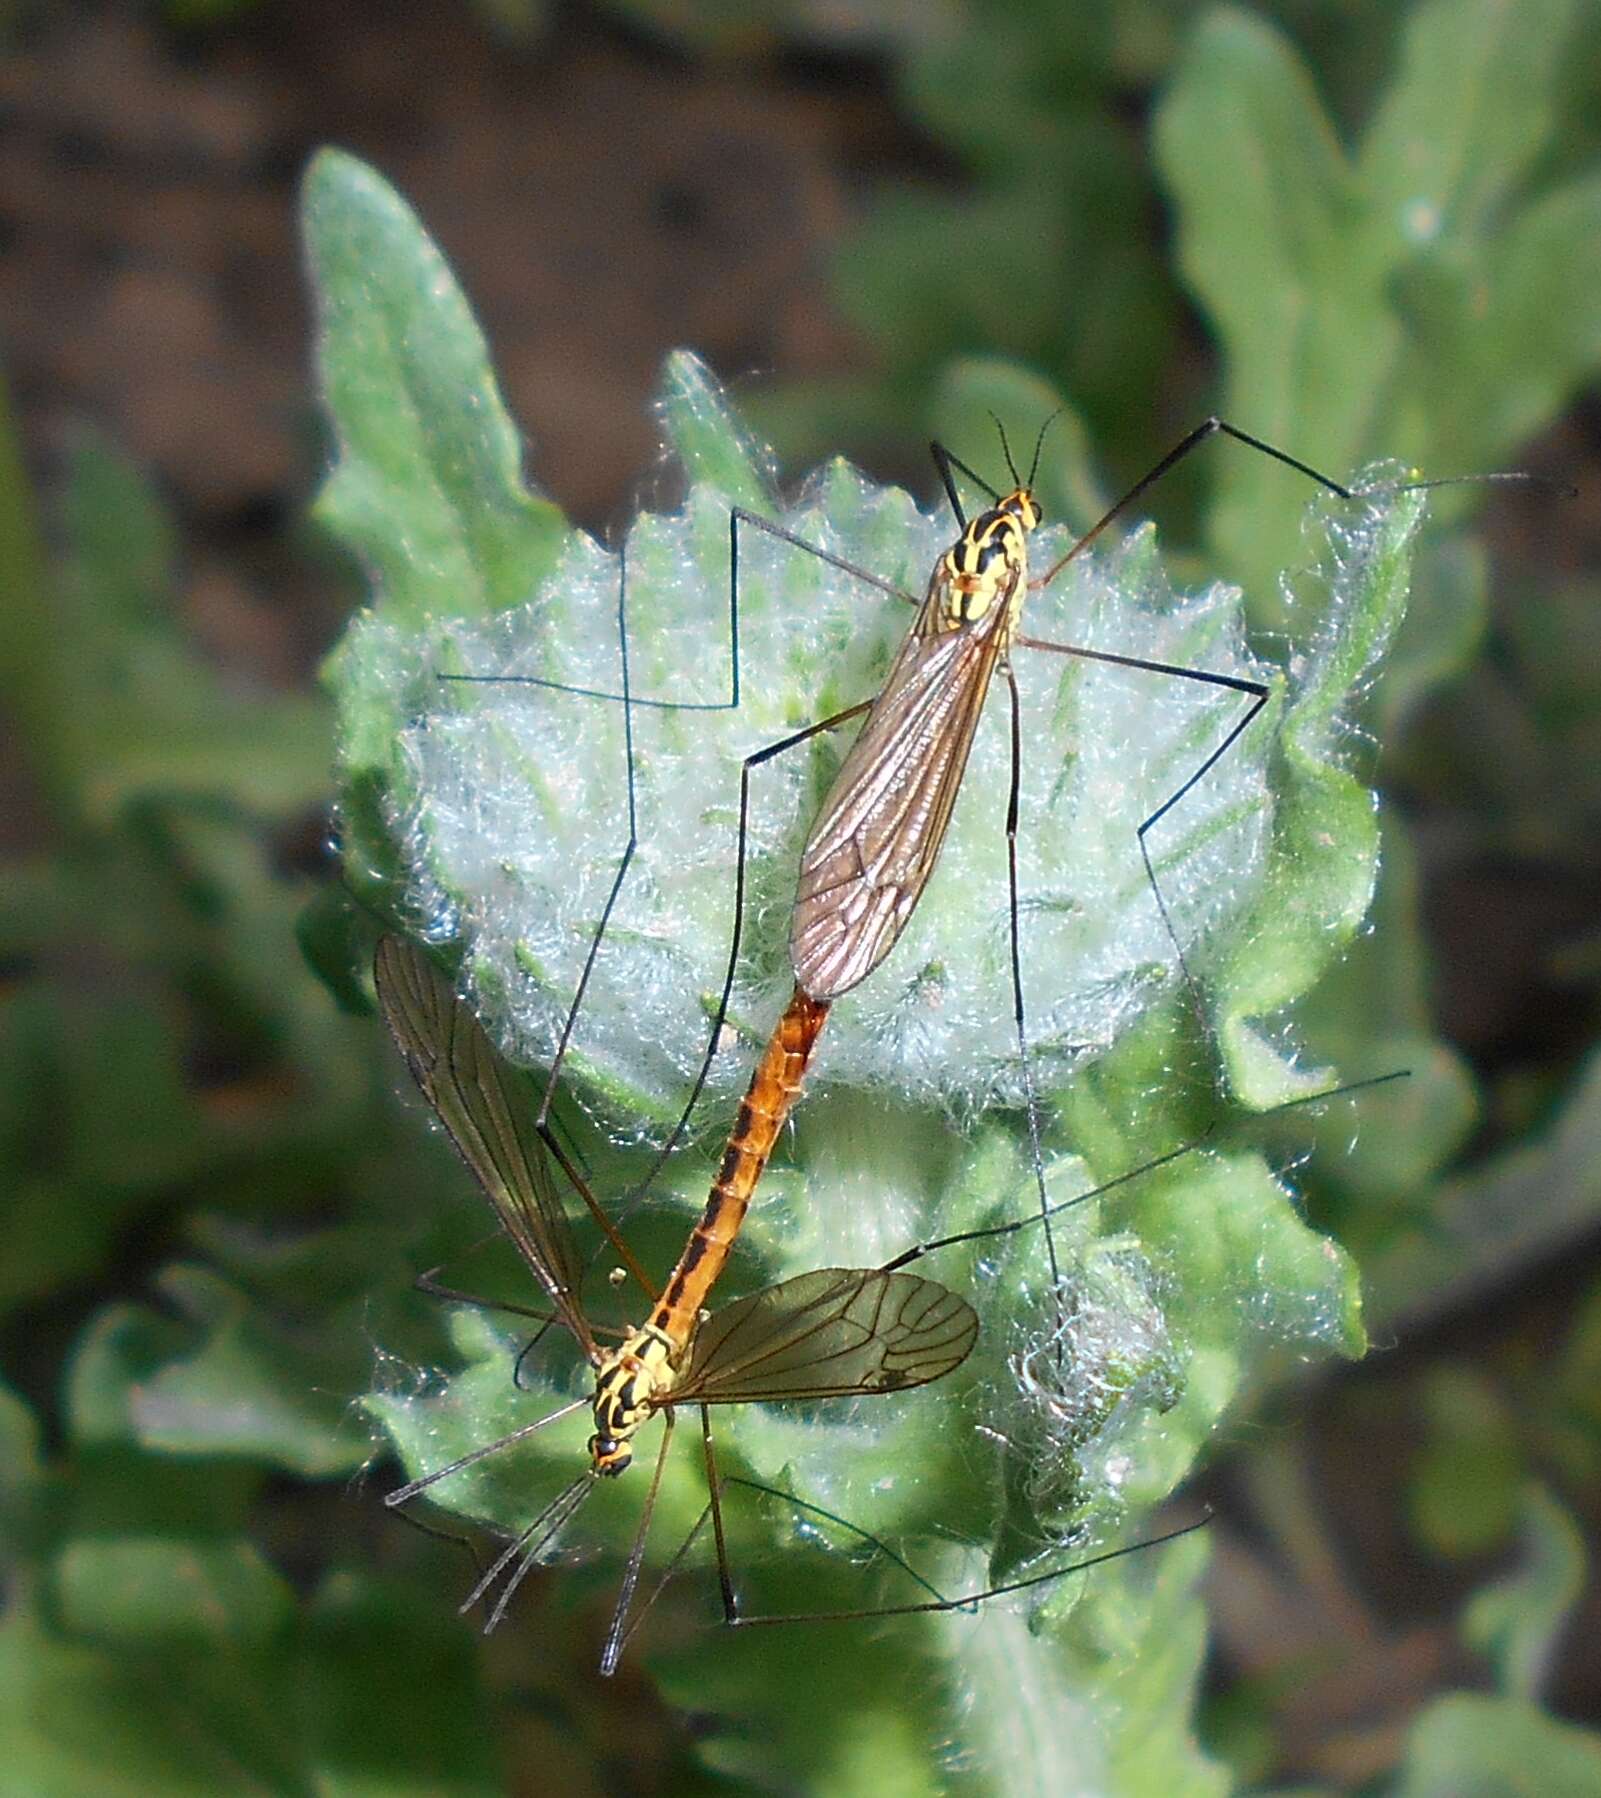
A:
[840,1331]
[462,1077]
[882,826]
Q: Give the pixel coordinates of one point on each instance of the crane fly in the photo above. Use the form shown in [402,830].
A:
[877,837]
[876,840]
[839,1332]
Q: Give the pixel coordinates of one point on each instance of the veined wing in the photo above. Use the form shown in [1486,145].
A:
[829,1334]
[461,1076]
[883,824]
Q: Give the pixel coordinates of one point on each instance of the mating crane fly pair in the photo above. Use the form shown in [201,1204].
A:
[866,863]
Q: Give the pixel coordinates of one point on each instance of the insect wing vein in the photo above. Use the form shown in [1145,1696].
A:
[829,1334]
[893,800]
[459,1072]
[907,716]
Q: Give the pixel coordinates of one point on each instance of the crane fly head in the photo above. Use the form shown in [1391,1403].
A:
[632,1382]
[988,563]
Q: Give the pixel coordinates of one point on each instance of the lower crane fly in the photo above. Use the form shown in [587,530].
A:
[836,1333]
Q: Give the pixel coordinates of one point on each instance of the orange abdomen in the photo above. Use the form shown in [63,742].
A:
[773,1089]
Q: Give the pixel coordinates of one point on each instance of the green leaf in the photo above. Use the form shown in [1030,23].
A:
[1516,1210]
[427,489]
[1444,629]
[1371,1013]
[708,440]
[1266,206]
[151,718]
[1517,1621]
[1469,1746]
[150,1594]
[392,1701]
[1544,270]
[1324,847]
[1467,1482]
[80,1719]
[499,822]
[1404,303]
[249,1389]
[1467,111]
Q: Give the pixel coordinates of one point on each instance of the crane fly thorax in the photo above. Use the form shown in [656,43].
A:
[987,567]
[630,1384]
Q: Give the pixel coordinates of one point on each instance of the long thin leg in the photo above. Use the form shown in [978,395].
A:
[1220,427]
[432,1287]
[454,1295]
[616,1634]
[1258,694]
[945,462]
[714,1504]
[668,1572]
[969,1600]
[876,1543]
[1013,801]
[542,1121]
[988,1232]
[736,517]
[629,701]
[746,769]
[712,1512]
[561,1508]
[432,1529]
[608,1221]
[1192,440]
[559,1513]
[1256,691]
[405,1494]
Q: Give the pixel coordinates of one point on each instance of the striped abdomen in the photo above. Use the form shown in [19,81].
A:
[773,1089]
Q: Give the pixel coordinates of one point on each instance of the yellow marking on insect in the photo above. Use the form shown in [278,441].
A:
[988,563]
[631,1383]
[835,1333]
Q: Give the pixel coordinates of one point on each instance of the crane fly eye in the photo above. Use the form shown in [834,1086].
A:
[609,1455]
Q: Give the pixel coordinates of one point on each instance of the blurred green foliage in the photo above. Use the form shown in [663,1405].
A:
[1386,221]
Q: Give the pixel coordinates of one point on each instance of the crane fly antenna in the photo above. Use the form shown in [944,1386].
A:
[1039,444]
[1006,451]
